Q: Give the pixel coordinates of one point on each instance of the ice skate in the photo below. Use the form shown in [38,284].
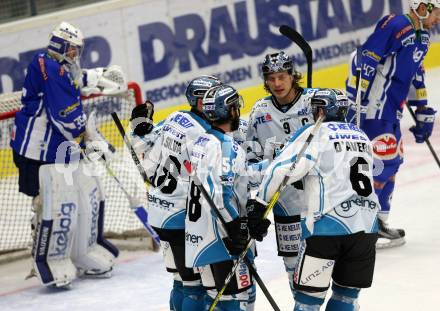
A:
[389,237]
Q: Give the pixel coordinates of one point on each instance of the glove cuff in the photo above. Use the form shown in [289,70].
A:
[261,201]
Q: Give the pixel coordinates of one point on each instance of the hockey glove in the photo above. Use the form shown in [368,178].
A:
[236,241]
[96,146]
[424,124]
[256,224]
[142,118]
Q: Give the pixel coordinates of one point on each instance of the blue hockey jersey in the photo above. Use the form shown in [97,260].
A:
[52,116]
[391,61]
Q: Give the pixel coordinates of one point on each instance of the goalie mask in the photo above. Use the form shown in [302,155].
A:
[431,5]
[218,102]
[197,88]
[334,103]
[67,43]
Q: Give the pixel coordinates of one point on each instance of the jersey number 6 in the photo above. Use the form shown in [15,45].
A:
[360,182]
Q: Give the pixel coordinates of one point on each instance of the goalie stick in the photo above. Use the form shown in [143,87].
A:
[269,207]
[434,154]
[294,36]
[191,171]
[141,213]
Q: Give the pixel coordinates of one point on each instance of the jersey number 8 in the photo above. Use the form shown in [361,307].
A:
[193,206]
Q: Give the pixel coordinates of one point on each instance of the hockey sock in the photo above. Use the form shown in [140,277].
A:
[306,302]
[385,194]
[343,299]
[176,296]
[193,298]
[226,305]
[252,292]
[289,264]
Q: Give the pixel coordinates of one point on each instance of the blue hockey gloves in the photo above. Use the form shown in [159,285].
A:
[424,124]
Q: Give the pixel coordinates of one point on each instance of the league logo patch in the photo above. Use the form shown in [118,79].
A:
[385,146]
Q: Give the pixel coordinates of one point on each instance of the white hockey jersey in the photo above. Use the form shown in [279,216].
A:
[219,163]
[338,170]
[239,135]
[167,201]
[269,129]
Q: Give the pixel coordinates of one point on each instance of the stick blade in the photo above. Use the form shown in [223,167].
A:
[296,37]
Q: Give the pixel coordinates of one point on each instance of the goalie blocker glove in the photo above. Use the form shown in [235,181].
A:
[142,118]
[236,241]
[256,224]
[424,124]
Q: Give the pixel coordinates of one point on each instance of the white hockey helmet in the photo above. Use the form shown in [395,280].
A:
[414,4]
[67,42]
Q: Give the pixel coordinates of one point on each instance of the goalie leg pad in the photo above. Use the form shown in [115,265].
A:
[92,253]
[55,229]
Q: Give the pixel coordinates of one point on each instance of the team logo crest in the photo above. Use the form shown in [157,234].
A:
[268,117]
[385,146]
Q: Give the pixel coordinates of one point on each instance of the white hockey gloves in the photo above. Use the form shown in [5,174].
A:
[97,147]
[106,81]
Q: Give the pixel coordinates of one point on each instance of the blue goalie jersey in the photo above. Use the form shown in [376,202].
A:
[52,116]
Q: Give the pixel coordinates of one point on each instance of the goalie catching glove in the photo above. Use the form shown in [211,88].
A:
[424,124]
[256,223]
[142,118]
[105,81]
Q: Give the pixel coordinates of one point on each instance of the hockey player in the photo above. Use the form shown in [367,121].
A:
[339,226]
[164,156]
[220,165]
[68,220]
[392,71]
[272,121]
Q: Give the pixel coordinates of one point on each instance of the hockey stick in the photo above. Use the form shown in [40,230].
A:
[191,171]
[294,36]
[434,154]
[141,213]
[130,148]
[358,86]
[269,207]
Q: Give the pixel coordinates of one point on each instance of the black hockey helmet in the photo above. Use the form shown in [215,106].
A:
[277,62]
